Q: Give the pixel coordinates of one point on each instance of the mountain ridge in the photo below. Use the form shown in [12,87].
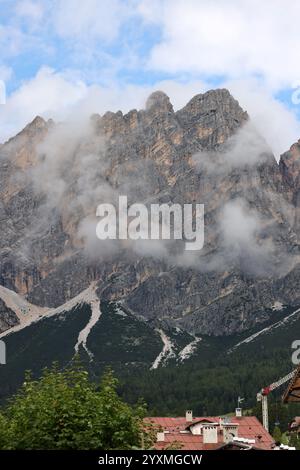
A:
[207,152]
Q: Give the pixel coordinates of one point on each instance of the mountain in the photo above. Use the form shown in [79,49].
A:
[53,176]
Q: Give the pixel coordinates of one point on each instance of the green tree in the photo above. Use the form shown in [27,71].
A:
[277,434]
[294,440]
[284,439]
[64,410]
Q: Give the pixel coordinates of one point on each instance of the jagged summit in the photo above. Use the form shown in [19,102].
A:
[36,126]
[159,100]
[26,140]
[200,103]
[38,121]
[213,105]
[212,99]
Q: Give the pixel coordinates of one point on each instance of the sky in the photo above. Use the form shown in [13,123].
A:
[68,58]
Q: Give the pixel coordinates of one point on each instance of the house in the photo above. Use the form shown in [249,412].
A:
[294,426]
[210,433]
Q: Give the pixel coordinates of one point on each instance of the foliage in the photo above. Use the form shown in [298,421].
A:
[277,434]
[294,441]
[209,389]
[284,439]
[64,410]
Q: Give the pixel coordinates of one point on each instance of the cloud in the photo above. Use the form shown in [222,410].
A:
[273,120]
[240,229]
[12,41]
[29,9]
[89,20]
[5,72]
[238,39]
[244,148]
[48,94]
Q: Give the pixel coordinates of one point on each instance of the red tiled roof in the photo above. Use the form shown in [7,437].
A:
[249,428]
[295,422]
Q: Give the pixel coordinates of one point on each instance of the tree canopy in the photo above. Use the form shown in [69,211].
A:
[65,410]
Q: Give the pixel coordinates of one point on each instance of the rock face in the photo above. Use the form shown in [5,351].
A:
[8,318]
[54,176]
[289,165]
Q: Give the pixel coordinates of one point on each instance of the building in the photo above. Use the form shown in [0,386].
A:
[294,426]
[211,433]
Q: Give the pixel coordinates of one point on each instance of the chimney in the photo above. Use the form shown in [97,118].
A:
[238,412]
[189,416]
[230,431]
[210,434]
[160,437]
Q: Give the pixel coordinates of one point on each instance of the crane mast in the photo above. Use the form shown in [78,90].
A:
[262,397]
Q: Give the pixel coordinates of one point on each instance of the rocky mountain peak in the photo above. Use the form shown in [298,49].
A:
[21,149]
[37,123]
[35,129]
[211,117]
[36,126]
[213,101]
[159,101]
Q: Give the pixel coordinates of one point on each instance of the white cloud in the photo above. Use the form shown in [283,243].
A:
[47,94]
[89,19]
[29,9]
[239,38]
[5,72]
[274,121]
[11,41]
[240,228]
[245,147]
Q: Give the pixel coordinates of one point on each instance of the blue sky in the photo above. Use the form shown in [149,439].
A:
[62,57]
